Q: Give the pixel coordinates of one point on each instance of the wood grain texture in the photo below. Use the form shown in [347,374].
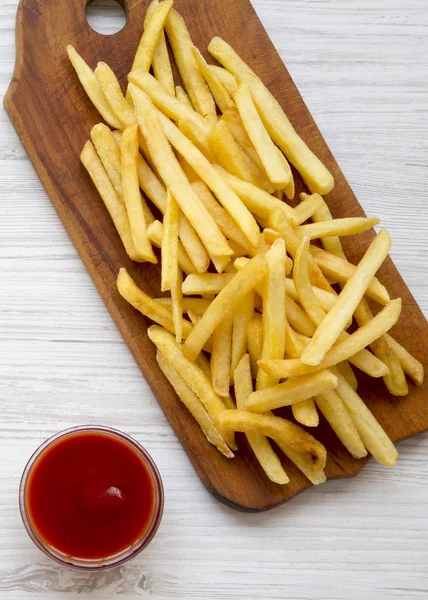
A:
[53,139]
[361,70]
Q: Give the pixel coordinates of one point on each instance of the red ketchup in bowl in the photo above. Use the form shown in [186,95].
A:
[91,497]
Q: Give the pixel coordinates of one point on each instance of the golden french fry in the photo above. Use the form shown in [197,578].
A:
[315,174]
[347,372]
[173,176]
[267,151]
[220,263]
[113,92]
[196,305]
[129,290]
[181,44]
[232,157]
[411,366]
[333,409]
[261,447]
[226,196]
[255,342]
[187,169]
[161,64]
[274,319]
[374,437]
[234,122]
[348,226]
[193,245]
[308,207]
[183,96]
[153,28]
[193,375]
[256,200]
[220,94]
[220,356]
[93,88]
[324,298]
[206,283]
[289,392]
[290,188]
[131,193]
[224,303]
[166,102]
[279,221]
[304,463]
[341,270]
[226,223]
[337,318]
[155,235]
[303,285]
[342,350]
[198,137]
[332,243]
[193,405]
[109,153]
[109,196]
[169,264]
[276,428]
[177,306]
[305,413]
[242,317]
[395,380]
[227,79]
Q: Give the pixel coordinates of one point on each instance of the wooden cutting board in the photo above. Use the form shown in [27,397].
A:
[53,118]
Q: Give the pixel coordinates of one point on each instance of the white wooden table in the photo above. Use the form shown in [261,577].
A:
[361,66]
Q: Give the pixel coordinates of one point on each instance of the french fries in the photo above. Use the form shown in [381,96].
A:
[289,392]
[341,270]
[260,138]
[261,447]
[242,317]
[229,297]
[337,318]
[161,64]
[274,319]
[193,405]
[343,350]
[93,88]
[315,174]
[221,355]
[333,409]
[164,101]
[192,375]
[182,45]
[349,226]
[207,283]
[219,92]
[169,267]
[155,234]
[251,313]
[114,205]
[208,174]
[276,428]
[153,29]
[134,202]
[231,156]
[112,91]
[172,174]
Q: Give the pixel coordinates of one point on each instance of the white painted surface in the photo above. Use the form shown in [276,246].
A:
[361,66]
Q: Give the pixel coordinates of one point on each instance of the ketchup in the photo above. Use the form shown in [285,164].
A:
[90,495]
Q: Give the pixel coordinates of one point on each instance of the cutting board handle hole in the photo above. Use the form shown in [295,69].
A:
[106,16]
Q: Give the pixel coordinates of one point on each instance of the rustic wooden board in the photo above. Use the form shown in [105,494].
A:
[53,118]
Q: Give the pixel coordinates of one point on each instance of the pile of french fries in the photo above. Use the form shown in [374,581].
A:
[252,322]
